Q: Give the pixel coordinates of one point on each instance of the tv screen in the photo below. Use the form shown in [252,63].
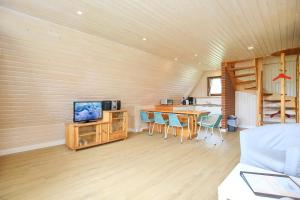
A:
[85,111]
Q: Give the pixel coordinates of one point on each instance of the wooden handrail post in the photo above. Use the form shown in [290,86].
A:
[259,93]
[298,89]
[282,89]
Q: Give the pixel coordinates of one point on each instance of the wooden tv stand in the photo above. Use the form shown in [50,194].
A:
[113,126]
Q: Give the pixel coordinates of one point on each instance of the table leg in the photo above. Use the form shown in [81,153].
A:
[195,118]
[188,123]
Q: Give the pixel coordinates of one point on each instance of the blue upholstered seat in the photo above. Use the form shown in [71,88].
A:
[159,120]
[145,118]
[174,122]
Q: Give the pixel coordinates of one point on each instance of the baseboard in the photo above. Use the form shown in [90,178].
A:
[136,130]
[31,147]
[246,126]
[132,130]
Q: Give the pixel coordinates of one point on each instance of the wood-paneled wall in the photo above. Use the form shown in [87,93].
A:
[245,104]
[44,67]
[201,88]
[271,68]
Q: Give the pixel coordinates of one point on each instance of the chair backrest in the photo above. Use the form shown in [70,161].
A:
[173,120]
[158,119]
[217,120]
[202,117]
[213,120]
[144,116]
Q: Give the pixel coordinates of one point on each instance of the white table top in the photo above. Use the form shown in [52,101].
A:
[235,188]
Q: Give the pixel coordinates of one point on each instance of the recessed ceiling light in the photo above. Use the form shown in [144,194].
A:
[144,39]
[250,48]
[176,59]
[196,55]
[200,63]
[79,12]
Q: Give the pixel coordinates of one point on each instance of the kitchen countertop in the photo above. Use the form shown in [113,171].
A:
[180,105]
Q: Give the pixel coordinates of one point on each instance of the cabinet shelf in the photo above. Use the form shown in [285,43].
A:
[116,118]
[88,145]
[86,134]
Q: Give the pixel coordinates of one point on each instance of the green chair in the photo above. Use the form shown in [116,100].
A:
[174,122]
[211,122]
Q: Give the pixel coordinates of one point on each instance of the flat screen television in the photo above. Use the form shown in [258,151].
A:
[86,111]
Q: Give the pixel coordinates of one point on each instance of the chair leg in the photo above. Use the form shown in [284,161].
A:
[221,134]
[149,128]
[199,129]
[206,133]
[166,133]
[153,128]
[160,128]
[212,133]
[181,138]
[198,133]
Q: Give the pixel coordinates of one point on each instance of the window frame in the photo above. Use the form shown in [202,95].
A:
[208,85]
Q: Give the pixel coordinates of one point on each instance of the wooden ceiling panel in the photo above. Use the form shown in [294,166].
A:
[215,30]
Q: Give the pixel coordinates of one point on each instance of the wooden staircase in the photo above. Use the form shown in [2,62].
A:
[271,107]
[243,77]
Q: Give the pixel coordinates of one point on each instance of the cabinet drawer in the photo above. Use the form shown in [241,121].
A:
[117,136]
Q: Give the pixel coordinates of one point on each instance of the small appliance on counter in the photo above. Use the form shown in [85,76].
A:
[116,105]
[184,101]
[111,105]
[166,101]
[106,105]
[192,100]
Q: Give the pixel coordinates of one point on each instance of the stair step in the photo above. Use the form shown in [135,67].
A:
[275,100]
[251,88]
[244,75]
[268,93]
[243,68]
[274,115]
[245,82]
[278,107]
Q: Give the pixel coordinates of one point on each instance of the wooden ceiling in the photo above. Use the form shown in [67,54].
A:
[197,32]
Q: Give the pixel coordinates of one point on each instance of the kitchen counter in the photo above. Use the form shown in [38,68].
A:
[212,108]
[209,105]
[180,105]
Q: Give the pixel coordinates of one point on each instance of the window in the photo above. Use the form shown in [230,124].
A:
[214,87]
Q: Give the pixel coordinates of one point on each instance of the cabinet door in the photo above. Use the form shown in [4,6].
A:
[104,133]
[117,122]
[86,136]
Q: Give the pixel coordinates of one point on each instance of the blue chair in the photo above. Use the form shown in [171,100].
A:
[159,120]
[174,122]
[145,118]
[211,121]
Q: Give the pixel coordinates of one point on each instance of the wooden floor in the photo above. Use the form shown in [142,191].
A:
[141,167]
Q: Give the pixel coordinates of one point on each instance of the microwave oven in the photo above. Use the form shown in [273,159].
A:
[166,101]
[116,105]
[111,105]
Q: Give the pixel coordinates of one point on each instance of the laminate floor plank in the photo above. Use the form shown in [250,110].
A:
[140,167]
